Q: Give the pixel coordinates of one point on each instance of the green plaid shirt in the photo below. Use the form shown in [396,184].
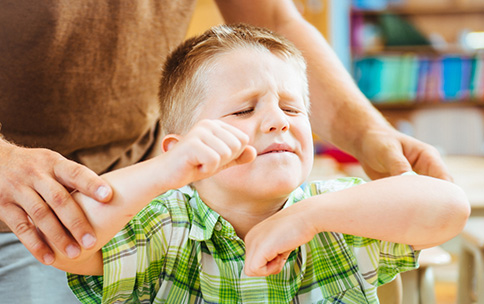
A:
[178,250]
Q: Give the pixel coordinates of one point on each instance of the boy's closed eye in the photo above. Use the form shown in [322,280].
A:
[292,106]
[288,110]
[292,110]
[244,112]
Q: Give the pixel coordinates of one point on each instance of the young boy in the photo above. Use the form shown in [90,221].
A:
[247,229]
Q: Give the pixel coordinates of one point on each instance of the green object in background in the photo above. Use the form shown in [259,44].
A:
[399,32]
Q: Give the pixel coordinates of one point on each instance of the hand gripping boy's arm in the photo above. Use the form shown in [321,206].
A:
[209,147]
[415,210]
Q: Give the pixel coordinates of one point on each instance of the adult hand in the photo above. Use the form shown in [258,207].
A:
[36,204]
[387,152]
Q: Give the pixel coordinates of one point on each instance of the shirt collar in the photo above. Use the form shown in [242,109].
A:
[205,220]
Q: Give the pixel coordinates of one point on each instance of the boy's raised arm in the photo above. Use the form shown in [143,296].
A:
[197,155]
[415,210]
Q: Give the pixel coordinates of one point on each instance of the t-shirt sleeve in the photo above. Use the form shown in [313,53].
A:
[394,259]
[132,260]
[380,261]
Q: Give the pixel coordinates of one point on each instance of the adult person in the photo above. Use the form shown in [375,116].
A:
[78,97]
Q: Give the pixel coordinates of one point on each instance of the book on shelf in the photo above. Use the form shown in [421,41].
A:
[477,79]
[388,78]
[384,31]
[416,78]
[375,4]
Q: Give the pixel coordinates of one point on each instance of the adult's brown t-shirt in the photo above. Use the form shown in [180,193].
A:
[81,77]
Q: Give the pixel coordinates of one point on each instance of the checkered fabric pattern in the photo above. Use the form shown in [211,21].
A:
[178,250]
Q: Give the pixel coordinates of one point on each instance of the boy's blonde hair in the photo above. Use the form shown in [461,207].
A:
[183,82]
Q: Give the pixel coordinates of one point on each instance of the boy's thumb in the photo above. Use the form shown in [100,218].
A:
[247,156]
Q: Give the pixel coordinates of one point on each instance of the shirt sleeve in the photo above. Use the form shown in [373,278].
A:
[380,261]
[132,260]
[394,259]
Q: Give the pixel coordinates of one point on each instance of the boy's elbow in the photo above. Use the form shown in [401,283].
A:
[462,205]
[458,210]
[90,264]
[446,216]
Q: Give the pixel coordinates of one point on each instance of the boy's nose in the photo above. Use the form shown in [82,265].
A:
[275,120]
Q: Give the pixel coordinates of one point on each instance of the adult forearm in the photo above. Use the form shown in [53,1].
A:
[340,112]
[338,106]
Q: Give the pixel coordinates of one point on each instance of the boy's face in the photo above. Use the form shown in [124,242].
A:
[262,95]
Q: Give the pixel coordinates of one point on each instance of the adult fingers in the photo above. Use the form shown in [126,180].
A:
[21,221]
[386,159]
[82,179]
[425,159]
[69,216]
[18,221]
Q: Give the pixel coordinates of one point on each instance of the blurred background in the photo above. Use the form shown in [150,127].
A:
[421,63]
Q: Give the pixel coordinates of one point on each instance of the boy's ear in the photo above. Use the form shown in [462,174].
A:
[169,141]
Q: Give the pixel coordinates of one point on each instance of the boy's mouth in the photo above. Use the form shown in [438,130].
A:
[277,148]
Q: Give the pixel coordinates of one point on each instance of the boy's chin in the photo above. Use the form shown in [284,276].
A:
[279,186]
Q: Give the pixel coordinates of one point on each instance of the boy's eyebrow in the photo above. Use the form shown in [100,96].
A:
[250,94]
[288,95]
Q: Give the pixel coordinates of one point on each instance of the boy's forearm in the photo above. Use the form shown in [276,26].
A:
[199,154]
[133,187]
[413,210]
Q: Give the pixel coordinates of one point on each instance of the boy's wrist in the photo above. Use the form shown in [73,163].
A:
[310,216]
[168,174]
[320,213]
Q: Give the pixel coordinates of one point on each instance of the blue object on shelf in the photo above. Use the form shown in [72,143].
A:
[370,4]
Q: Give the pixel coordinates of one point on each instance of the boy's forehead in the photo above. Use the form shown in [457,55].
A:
[264,72]
[252,65]
[242,72]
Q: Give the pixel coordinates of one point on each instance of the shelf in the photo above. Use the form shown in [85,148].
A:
[406,105]
[398,50]
[410,66]
[424,10]
[425,50]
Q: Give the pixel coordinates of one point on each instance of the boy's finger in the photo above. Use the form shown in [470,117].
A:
[275,266]
[264,267]
[247,156]
[234,138]
[220,152]
[207,159]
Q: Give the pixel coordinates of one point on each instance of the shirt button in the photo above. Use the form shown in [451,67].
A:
[218,226]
